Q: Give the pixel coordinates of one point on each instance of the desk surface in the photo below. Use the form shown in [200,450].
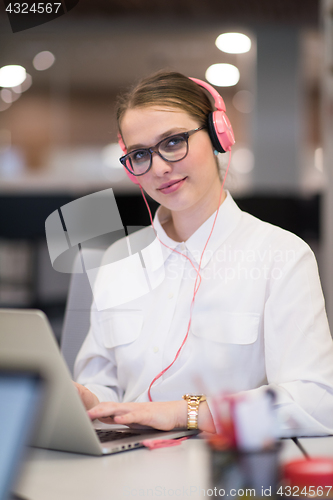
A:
[320,446]
[179,472]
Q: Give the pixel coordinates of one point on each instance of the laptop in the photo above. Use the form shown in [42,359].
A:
[26,336]
[21,392]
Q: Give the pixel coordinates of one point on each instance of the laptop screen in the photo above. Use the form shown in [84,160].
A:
[20,396]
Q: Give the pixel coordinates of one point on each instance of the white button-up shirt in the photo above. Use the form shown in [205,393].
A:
[258,319]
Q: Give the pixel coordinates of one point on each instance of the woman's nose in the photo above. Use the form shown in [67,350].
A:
[160,166]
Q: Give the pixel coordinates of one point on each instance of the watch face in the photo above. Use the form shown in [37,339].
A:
[198,397]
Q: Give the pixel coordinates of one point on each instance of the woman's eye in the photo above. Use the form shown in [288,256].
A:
[173,142]
[140,156]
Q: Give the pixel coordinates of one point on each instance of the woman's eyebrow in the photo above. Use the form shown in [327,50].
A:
[159,138]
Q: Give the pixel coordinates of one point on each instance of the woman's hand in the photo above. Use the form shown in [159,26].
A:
[159,415]
[87,397]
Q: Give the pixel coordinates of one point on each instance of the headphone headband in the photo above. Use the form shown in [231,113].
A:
[218,101]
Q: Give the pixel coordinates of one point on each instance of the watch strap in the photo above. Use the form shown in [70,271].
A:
[193,402]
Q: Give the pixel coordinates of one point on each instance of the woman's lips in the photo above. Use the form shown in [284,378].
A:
[173,187]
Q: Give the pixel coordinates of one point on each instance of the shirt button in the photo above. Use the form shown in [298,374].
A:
[155,349]
[170,296]
[183,247]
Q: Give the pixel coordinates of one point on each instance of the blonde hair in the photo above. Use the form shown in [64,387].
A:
[167,88]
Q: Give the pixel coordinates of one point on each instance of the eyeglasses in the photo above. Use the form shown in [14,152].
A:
[171,149]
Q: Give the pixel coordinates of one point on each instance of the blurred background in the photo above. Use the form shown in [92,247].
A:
[58,129]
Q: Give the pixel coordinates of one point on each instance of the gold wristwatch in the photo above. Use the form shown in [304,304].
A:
[193,403]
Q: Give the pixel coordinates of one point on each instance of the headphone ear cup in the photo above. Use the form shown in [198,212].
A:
[220,131]
[213,135]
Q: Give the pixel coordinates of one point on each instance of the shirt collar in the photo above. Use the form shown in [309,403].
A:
[227,219]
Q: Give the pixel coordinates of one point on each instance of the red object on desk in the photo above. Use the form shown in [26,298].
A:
[162,443]
[309,472]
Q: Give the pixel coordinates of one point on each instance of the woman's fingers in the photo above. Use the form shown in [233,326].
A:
[104,410]
[128,418]
[134,417]
[107,420]
[120,413]
[87,397]
[158,415]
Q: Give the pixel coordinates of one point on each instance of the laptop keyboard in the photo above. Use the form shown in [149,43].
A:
[104,436]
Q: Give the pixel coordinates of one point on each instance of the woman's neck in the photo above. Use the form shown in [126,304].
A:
[181,225]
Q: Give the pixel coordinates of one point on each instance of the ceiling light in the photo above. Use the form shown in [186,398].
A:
[43,60]
[12,75]
[6,96]
[17,89]
[222,75]
[24,86]
[233,43]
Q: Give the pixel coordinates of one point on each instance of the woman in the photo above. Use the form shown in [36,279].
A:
[258,318]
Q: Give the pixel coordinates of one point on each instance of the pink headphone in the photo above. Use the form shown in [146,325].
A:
[219,126]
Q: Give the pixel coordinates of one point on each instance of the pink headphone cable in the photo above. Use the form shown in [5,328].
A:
[198,277]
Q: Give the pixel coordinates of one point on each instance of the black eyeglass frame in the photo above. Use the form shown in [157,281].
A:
[155,149]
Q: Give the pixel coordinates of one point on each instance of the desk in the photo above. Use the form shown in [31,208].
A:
[320,446]
[177,472]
